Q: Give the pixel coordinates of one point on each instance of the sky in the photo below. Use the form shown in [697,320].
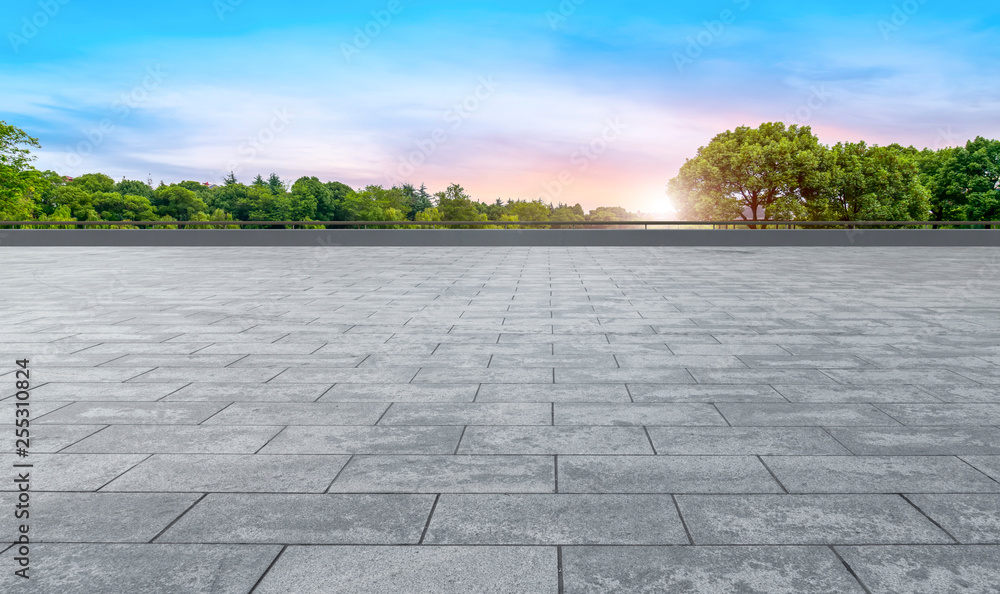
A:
[577,101]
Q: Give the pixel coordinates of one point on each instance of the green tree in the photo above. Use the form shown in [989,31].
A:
[455,204]
[112,206]
[335,209]
[133,187]
[177,202]
[94,182]
[753,174]
[869,183]
[277,186]
[19,181]
[230,180]
[534,211]
[931,164]
[971,179]
[311,199]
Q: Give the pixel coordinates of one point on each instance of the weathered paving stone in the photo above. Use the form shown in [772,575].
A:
[299,413]
[554,440]
[919,441]
[799,415]
[49,439]
[854,394]
[972,519]
[447,474]
[879,474]
[552,393]
[103,391]
[134,413]
[219,473]
[146,568]
[100,517]
[894,569]
[390,570]
[175,439]
[212,392]
[944,414]
[71,472]
[661,474]
[737,441]
[304,519]
[689,393]
[555,519]
[401,393]
[806,520]
[477,413]
[365,440]
[989,465]
[629,414]
[695,570]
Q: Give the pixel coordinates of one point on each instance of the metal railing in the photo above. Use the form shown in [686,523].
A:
[504,224]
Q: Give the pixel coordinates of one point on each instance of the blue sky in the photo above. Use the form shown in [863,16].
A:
[580,101]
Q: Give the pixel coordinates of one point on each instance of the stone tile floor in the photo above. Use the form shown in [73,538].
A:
[536,420]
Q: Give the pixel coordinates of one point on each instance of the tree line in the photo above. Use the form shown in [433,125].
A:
[775,172]
[27,194]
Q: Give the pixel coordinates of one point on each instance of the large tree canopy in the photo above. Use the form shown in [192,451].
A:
[753,174]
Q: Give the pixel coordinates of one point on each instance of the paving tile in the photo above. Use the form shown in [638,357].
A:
[853,394]
[133,413]
[102,391]
[804,415]
[919,441]
[972,519]
[303,519]
[401,393]
[899,376]
[447,474]
[310,375]
[806,519]
[365,440]
[760,376]
[146,568]
[467,375]
[100,517]
[49,439]
[165,375]
[184,361]
[981,394]
[738,441]
[879,474]
[694,570]
[475,413]
[299,413]
[555,519]
[222,392]
[221,473]
[944,414]
[629,414]
[552,393]
[70,472]
[554,440]
[565,375]
[392,570]
[697,393]
[989,465]
[894,569]
[175,439]
[661,474]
